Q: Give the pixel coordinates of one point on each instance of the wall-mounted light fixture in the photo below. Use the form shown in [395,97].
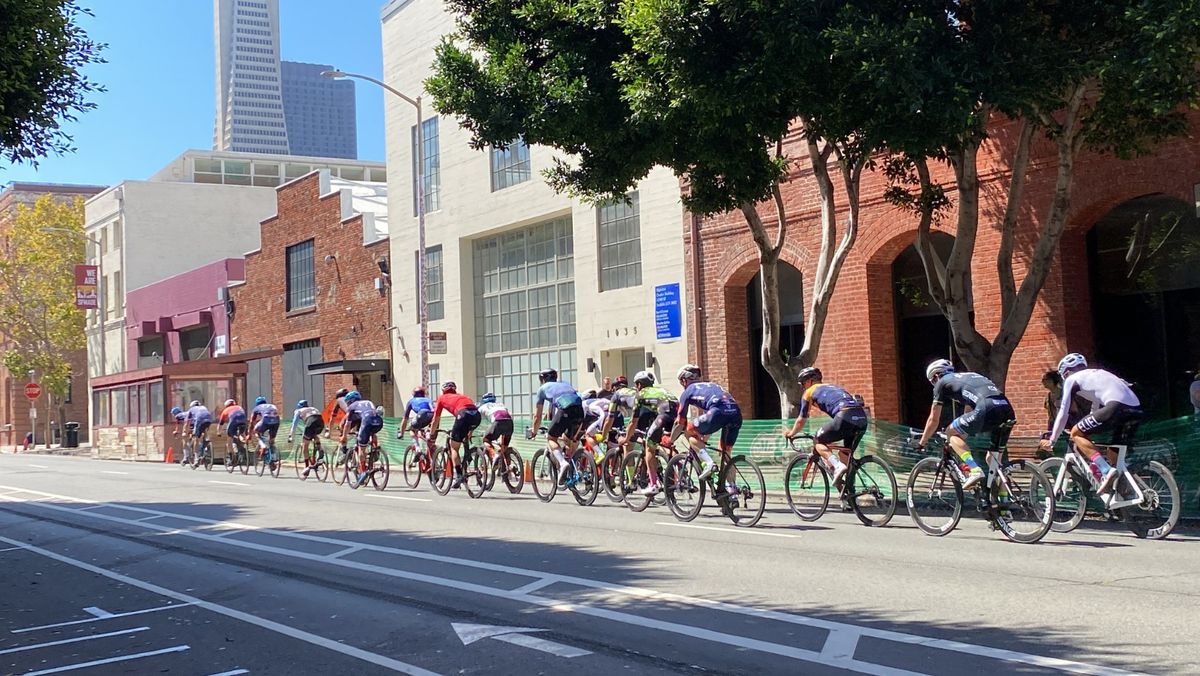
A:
[650,360]
[591,365]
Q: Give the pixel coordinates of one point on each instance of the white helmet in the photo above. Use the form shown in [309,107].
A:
[938,368]
[690,373]
[643,378]
[1070,363]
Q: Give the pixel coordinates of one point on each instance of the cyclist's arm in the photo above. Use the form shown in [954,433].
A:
[931,425]
[537,417]
[292,427]
[680,421]
[1064,409]
[404,419]
[629,429]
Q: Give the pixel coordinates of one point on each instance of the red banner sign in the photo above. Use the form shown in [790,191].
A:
[87,285]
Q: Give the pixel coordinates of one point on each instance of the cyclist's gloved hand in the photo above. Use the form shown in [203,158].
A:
[530,434]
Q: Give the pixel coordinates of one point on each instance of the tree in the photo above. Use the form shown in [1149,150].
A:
[709,88]
[43,52]
[40,326]
[1107,76]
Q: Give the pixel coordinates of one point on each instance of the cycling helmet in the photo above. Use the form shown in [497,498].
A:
[352,396]
[303,403]
[260,401]
[418,391]
[587,394]
[690,373]
[1071,362]
[488,398]
[195,402]
[621,381]
[379,410]
[229,402]
[549,375]
[449,386]
[175,410]
[643,378]
[937,368]
[341,393]
[810,373]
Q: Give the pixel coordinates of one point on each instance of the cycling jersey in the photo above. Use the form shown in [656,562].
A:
[706,396]
[181,417]
[828,398]
[495,411]
[198,414]
[596,407]
[559,394]
[654,398]
[305,414]
[418,405]
[269,413]
[452,402]
[965,388]
[624,401]
[1097,386]
[362,408]
[232,414]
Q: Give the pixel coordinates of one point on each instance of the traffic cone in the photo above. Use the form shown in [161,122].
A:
[170,455]
[528,470]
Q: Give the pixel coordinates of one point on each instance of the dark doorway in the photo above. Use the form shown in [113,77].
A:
[1144,269]
[791,339]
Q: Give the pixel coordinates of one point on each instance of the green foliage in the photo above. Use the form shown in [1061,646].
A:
[43,53]
[39,322]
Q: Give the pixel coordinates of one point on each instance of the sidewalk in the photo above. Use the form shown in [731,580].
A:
[84,450]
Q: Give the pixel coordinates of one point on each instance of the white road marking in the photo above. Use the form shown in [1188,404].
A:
[398,497]
[97,619]
[110,660]
[292,632]
[546,646]
[226,483]
[746,531]
[98,612]
[9,549]
[73,640]
[235,672]
[109,471]
[840,645]
[535,585]
[470,633]
[345,552]
[734,640]
[39,466]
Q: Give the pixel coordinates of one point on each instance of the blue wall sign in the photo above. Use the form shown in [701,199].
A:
[668,322]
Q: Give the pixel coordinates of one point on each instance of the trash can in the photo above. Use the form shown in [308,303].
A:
[72,435]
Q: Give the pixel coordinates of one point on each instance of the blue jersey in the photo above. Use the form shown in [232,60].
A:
[706,396]
[418,405]
[828,398]
[198,414]
[559,394]
[181,417]
[363,407]
[268,412]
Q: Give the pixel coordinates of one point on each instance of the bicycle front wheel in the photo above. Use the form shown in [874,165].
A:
[337,466]
[442,473]
[746,504]
[321,464]
[260,464]
[586,486]
[230,458]
[410,466]
[512,468]
[544,476]
[934,497]
[299,464]
[1158,513]
[380,469]
[683,487]
[1070,502]
[806,485]
[872,491]
[276,463]
[1024,501]
[632,479]
[610,474]
[475,472]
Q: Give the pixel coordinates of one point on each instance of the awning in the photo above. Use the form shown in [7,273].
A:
[350,366]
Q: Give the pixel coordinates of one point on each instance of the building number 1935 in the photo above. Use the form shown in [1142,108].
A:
[621,331]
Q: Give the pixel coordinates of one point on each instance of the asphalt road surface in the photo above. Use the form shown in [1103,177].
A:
[131,568]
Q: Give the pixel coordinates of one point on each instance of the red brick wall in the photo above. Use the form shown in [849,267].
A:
[859,348]
[350,317]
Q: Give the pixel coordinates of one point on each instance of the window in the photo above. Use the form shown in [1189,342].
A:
[301,276]
[434,307]
[194,343]
[510,166]
[435,378]
[104,240]
[620,244]
[156,402]
[433,173]
[150,352]
[115,300]
[100,408]
[120,400]
[116,235]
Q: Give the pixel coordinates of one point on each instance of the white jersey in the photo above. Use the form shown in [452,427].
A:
[1097,386]
[494,411]
[597,407]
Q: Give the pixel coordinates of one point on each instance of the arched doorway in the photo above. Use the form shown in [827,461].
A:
[922,331]
[791,340]
[1144,271]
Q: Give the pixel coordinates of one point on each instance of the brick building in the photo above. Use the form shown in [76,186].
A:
[882,330]
[317,290]
[14,407]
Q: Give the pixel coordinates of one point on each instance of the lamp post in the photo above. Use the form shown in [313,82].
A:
[422,316]
[101,293]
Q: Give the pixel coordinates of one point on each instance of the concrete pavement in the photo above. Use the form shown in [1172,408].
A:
[423,581]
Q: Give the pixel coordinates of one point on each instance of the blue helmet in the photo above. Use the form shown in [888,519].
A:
[260,401]
[175,410]
[351,397]
[303,403]
[488,398]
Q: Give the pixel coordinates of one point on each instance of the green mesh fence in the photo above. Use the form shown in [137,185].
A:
[1175,443]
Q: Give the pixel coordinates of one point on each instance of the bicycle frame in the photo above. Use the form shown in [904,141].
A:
[1075,459]
[994,454]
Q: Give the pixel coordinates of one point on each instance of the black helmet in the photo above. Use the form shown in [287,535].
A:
[810,373]
[549,375]
[449,386]
[418,391]
[341,393]
[621,381]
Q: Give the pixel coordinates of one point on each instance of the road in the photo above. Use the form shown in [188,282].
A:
[132,568]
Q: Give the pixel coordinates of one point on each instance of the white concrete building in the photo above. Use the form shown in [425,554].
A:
[249,87]
[520,278]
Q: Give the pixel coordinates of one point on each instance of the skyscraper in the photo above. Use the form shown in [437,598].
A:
[319,112]
[250,115]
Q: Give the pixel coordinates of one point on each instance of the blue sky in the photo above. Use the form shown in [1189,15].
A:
[159,75]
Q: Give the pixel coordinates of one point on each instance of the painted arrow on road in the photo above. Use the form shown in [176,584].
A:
[470,633]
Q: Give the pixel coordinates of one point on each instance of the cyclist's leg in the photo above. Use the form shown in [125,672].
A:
[971,422]
[1111,416]
[731,427]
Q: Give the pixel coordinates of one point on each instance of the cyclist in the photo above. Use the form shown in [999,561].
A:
[848,423]
[655,410]
[335,411]
[985,409]
[1114,407]
[501,429]
[200,419]
[349,423]
[420,406]
[264,420]
[466,419]
[595,412]
[363,416]
[566,417]
[180,417]
[314,424]
[719,413]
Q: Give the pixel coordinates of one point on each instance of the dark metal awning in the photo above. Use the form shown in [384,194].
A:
[350,366]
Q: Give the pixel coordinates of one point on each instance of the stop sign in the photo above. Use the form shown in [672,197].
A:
[33,391]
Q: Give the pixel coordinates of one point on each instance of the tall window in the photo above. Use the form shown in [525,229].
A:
[620,244]
[435,378]
[433,166]
[434,306]
[115,300]
[525,310]
[301,276]
[510,166]
[194,343]
[116,235]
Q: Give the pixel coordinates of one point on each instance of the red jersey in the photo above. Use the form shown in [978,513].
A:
[228,412]
[452,402]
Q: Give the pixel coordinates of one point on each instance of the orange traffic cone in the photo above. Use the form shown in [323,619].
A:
[170,457]
[528,470]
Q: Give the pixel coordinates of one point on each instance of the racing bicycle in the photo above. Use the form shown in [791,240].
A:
[868,487]
[743,505]
[582,477]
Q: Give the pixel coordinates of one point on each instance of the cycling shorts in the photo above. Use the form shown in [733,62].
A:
[236,429]
[369,426]
[661,425]
[501,429]
[270,430]
[423,420]
[1121,420]
[313,426]
[989,414]
[591,422]
[200,427]
[845,428]
[567,421]
[726,419]
[645,417]
[353,420]
[464,423]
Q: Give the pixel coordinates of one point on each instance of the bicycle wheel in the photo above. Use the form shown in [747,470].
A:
[1070,503]
[806,484]
[1027,512]
[321,464]
[543,476]
[934,497]
[442,473]
[230,457]
[260,463]
[684,489]
[299,464]
[351,465]
[610,470]
[586,485]
[207,457]
[1158,513]
[475,472]
[337,466]
[410,466]
[380,468]
[512,468]
[632,478]
[243,459]
[276,463]
[872,491]
[745,507]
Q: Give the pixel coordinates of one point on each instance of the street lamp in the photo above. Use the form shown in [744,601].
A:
[101,293]
[422,316]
